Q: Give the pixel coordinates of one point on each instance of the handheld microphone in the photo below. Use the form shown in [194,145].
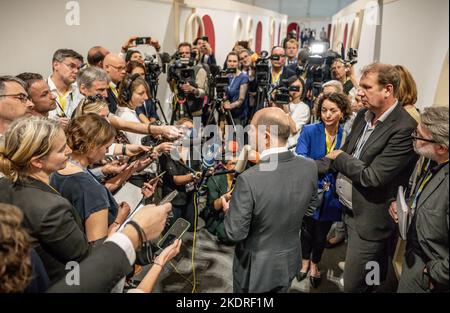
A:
[241,164]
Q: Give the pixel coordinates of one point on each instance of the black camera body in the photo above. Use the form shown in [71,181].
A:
[152,69]
[182,72]
[262,69]
[352,55]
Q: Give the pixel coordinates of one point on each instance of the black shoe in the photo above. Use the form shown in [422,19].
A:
[315,281]
[301,276]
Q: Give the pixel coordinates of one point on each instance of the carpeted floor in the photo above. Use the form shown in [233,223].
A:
[213,268]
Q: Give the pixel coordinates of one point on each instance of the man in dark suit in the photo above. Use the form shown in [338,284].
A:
[267,207]
[426,264]
[377,158]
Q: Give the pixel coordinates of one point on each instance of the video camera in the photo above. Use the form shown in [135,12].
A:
[152,68]
[281,94]
[352,54]
[181,71]
[263,69]
[221,82]
[318,66]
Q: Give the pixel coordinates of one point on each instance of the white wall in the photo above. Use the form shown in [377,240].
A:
[415,34]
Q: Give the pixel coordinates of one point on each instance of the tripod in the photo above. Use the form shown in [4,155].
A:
[223,115]
[153,82]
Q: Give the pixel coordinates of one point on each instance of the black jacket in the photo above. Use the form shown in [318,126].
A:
[56,231]
[386,162]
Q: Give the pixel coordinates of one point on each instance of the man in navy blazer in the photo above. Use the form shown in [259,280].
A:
[376,159]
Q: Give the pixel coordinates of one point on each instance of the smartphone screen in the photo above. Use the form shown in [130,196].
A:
[177,231]
[142,40]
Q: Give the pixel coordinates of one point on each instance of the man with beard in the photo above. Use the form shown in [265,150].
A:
[39,93]
[426,263]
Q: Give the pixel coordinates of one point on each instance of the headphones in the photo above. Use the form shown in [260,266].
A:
[126,89]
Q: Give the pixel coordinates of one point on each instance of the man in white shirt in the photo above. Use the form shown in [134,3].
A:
[65,64]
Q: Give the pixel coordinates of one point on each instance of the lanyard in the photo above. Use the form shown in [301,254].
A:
[330,145]
[419,191]
[114,90]
[276,78]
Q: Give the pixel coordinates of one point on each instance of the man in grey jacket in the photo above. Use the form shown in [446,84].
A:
[426,264]
[267,208]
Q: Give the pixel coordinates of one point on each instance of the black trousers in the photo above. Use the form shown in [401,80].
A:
[314,238]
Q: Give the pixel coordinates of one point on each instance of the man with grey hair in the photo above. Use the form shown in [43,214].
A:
[93,80]
[65,64]
[426,264]
[14,101]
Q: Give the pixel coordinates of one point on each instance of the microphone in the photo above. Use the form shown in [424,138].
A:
[208,161]
[241,164]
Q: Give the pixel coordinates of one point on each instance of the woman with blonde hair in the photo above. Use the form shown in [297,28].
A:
[407,93]
[30,151]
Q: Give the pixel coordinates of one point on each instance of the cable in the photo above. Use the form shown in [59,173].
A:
[194,285]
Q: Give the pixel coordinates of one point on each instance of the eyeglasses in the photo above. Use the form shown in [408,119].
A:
[20,96]
[119,68]
[72,66]
[414,137]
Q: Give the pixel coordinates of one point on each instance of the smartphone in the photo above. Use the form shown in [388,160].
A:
[143,40]
[169,197]
[151,181]
[177,231]
[142,155]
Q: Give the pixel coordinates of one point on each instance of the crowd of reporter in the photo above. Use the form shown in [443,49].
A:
[66,142]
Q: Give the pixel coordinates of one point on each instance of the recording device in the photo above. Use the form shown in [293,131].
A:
[352,55]
[154,179]
[143,40]
[221,82]
[177,231]
[205,38]
[262,69]
[169,198]
[318,66]
[241,164]
[182,72]
[140,156]
[281,94]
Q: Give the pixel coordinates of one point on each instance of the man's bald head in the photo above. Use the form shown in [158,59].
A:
[274,117]
[114,65]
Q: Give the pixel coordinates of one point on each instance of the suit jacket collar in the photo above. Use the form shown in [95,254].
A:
[379,130]
[37,184]
[434,183]
[279,157]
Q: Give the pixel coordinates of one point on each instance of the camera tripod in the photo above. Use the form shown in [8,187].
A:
[223,115]
[153,82]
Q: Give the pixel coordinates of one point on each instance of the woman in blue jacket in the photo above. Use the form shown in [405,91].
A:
[316,141]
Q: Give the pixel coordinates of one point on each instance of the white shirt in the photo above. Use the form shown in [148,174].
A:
[344,186]
[73,98]
[300,114]
[270,151]
[128,114]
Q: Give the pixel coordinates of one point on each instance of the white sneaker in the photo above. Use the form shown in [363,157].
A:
[341,265]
